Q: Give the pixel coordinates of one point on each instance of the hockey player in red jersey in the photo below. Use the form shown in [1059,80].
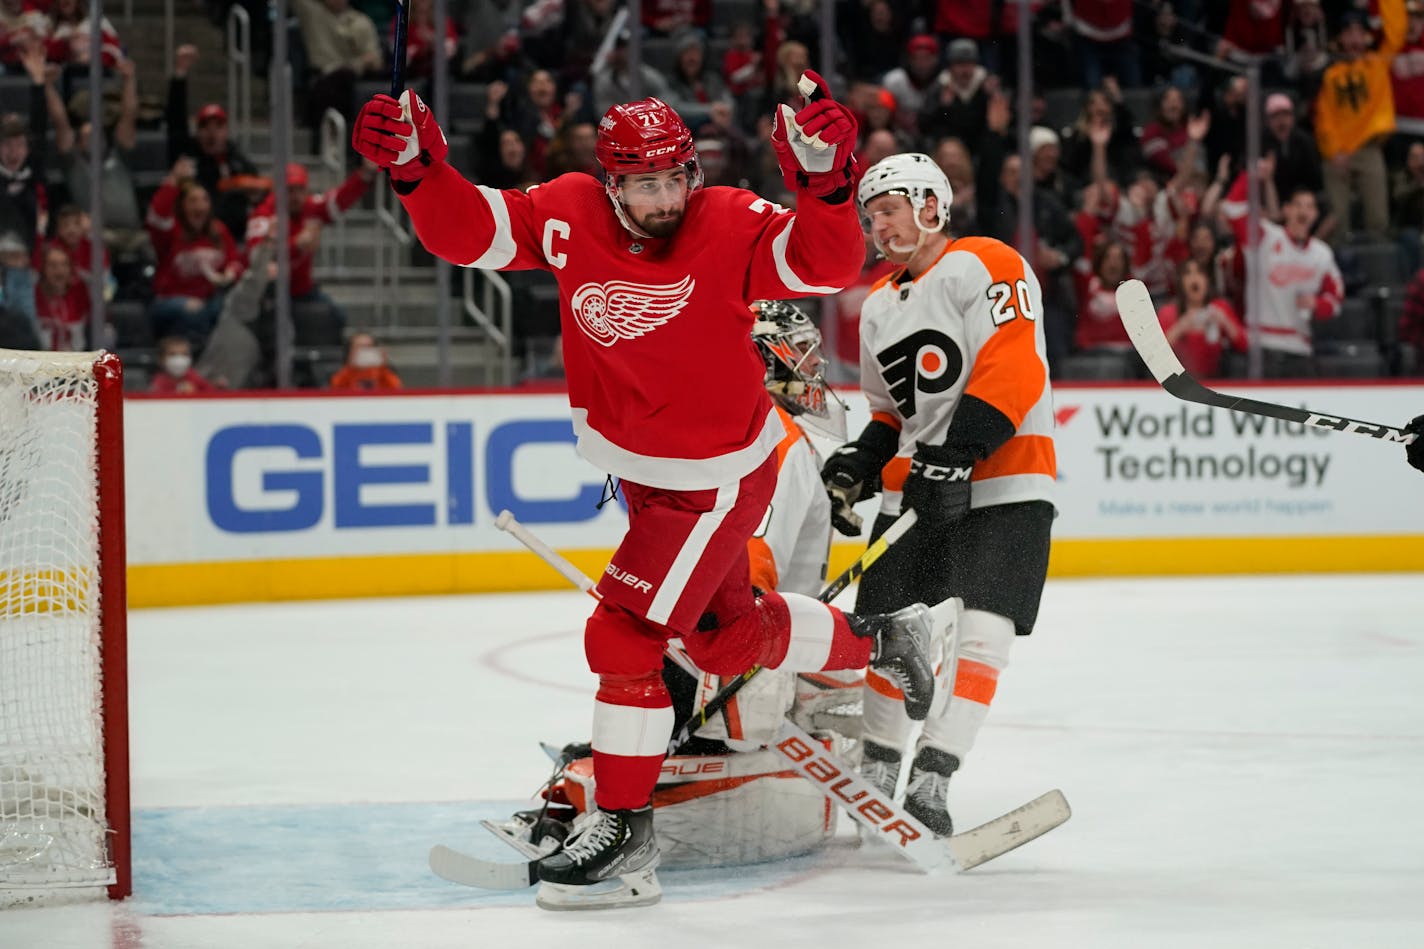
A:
[953,364]
[655,274]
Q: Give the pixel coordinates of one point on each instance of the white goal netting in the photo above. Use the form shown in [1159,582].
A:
[52,822]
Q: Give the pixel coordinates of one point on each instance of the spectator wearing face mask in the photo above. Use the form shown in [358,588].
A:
[176,375]
[365,367]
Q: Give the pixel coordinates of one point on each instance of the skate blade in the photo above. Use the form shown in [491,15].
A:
[632,889]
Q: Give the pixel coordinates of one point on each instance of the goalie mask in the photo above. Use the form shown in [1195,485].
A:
[642,137]
[790,346]
[916,176]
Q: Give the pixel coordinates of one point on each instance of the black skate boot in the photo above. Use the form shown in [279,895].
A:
[908,643]
[608,862]
[927,796]
[880,765]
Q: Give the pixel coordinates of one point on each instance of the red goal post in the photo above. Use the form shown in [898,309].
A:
[64,771]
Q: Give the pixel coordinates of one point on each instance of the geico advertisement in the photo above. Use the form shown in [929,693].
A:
[239,479]
[1136,462]
[251,479]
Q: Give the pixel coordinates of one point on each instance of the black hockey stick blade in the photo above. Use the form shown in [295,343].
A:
[1139,316]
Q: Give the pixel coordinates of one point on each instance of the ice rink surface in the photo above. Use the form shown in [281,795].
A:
[1244,758]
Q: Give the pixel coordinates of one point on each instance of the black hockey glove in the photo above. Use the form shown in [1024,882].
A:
[937,488]
[1414,451]
[852,473]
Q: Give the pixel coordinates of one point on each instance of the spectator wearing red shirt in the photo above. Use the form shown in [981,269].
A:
[1104,44]
[71,232]
[197,257]
[176,375]
[1199,326]
[1254,28]
[68,40]
[666,17]
[1407,78]
[61,303]
[1411,319]
[1165,137]
[309,214]
[1099,326]
[366,367]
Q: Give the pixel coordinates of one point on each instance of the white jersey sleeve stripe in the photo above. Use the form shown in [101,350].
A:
[670,590]
[502,249]
[783,266]
[630,731]
[812,628]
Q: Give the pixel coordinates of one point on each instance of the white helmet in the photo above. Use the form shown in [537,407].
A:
[914,175]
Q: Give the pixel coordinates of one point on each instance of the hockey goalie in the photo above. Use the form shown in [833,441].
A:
[725,797]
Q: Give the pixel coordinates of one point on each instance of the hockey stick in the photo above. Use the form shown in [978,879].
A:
[398,49]
[852,573]
[1139,316]
[507,522]
[887,821]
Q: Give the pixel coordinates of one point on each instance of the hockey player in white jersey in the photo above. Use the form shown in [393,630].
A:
[953,364]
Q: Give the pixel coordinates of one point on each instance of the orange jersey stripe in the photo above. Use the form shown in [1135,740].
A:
[1008,373]
[764,575]
[882,686]
[892,420]
[975,681]
[1022,454]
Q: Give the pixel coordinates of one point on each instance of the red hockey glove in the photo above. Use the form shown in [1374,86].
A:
[401,137]
[816,147]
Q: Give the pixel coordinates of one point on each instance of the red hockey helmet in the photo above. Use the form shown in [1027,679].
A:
[644,136]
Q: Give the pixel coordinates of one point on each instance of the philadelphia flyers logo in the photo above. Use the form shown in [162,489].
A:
[926,361]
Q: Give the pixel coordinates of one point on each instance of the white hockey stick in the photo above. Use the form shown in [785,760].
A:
[1139,316]
[507,522]
[888,821]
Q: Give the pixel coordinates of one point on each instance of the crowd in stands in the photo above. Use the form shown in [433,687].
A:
[1136,158]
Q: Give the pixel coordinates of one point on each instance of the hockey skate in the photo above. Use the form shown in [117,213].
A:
[927,795]
[610,861]
[908,643]
[880,765]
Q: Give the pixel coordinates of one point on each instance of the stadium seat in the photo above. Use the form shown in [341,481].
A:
[1356,323]
[130,321]
[1379,263]
[1099,367]
[316,325]
[1061,108]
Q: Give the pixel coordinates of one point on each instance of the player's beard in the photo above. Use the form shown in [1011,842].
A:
[660,224]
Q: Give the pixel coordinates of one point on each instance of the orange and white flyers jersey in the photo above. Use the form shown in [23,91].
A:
[970,324]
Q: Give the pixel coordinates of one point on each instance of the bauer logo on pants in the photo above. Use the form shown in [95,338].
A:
[624,577]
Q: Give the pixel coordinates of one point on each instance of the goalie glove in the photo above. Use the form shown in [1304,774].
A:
[1414,451]
[938,486]
[401,137]
[815,147]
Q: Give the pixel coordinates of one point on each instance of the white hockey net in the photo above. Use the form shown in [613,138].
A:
[53,825]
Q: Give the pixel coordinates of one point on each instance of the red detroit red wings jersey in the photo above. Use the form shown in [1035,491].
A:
[664,382]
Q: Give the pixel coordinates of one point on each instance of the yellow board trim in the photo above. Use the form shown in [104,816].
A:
[430,574]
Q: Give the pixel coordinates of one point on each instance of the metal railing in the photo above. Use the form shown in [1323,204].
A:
[391,237]
[239,75]
[332,155]
[502,335]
